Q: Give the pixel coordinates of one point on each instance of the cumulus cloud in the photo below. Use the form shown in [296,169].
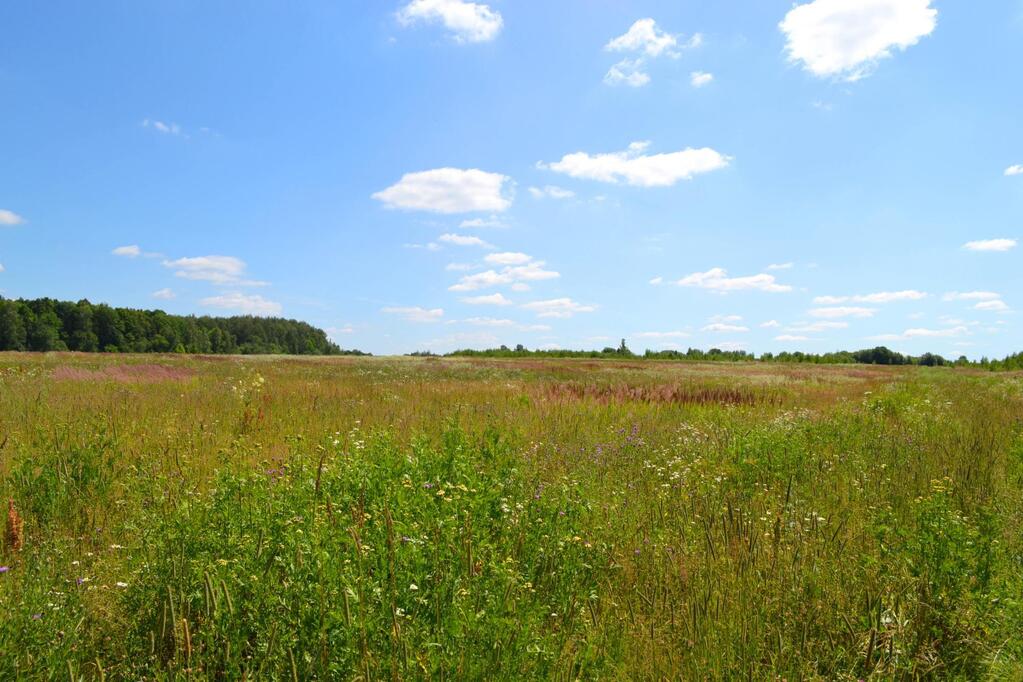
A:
[996,305]
[634,167]
[781,266]
[879,297]
[842,311]
[531,271]
[816,327]
[468,22]
[724,327]
[717,280]
[1016,169]
[463,240]
[990,245]
[164,294]
[163,128]
[770,324]
[489,299]
[558,308]
[627,72]
[250,305]
[508,258]
[924,333]
[506,324]
[847,38]
[448,190]
[492,221]
[10,218]
[791,337]
[132,251]
[215,269]
[700,78]
[645,37]
[415,313]
[971,296]
[662,335]
[551,191]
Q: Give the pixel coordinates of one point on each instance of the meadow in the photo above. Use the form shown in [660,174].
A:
[222,518]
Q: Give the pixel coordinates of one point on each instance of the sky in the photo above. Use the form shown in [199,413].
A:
[439,174]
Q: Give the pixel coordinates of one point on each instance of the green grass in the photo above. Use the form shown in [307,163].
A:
[464,519]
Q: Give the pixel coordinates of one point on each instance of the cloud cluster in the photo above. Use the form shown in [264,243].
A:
[248,304]
[558,308]
[879,297]
[518,269]
[10,218]
[990,245]
[415,313]
[718,281]
[223,270]
[847,38]
[634,167]
[448,190]
[468,22]
[645,40]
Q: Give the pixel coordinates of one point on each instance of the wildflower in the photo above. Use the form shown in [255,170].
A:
[121,585]
[4,569]
[413,587]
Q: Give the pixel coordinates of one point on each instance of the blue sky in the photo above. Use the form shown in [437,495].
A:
[439,173]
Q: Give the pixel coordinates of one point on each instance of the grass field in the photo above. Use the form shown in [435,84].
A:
[269,518]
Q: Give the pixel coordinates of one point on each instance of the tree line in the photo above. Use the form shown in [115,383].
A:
[880,355]
[46,324]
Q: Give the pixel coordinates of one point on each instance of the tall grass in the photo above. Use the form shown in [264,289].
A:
[395,519]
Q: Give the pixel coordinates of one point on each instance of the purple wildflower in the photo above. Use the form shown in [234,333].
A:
[4,569]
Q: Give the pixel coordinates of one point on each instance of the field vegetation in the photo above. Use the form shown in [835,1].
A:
[221,518]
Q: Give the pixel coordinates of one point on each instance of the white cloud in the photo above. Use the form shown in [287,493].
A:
[508,324]
[448,190]
[781,266]
[459,267]
[842,311]
[164,294]
[491,299]
[662,335]
[432,246]
[10,218]
[717,279]
[2,267]
[636,168]
[558,308]
[215,269]
[508,258]
[770,324]
[971,296]
[879,297]
[657,281]
[469,22]
[921,333]
[552,191]
[520,286]
[816,327]
[492,221]
[644,36]
[627,72]
[722,327]
[530,272]
[996,305]
[1016,169]
[164,128]
[250,305]
[700,78]
[415,313]
[132,251]
[463,240]
[791,337]
[990,245]
[847,38]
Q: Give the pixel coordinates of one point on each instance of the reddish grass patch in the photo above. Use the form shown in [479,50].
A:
[123,373]
[681,394]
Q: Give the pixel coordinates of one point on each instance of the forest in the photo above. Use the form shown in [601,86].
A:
[45,324]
